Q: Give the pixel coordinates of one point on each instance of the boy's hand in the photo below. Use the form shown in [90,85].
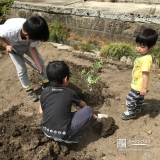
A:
[8,48]
[94,116]
[39,68]
[82,104]
[143,91]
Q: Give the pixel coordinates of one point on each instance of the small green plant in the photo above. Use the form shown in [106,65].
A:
[86,79]
[4,6]
[118,50]
[86,47]
[58,32]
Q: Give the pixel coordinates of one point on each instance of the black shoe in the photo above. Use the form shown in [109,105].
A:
[45,85]
[32,96]
[74,140]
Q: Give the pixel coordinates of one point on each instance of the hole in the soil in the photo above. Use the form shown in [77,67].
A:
[94,97]
[1,144]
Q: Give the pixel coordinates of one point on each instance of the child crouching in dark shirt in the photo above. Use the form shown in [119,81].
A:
[58,122]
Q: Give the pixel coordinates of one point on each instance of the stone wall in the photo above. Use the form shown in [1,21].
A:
[97,24]
[132,1]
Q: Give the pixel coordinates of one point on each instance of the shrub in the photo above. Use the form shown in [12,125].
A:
[58,32]
[118,50]
[86,47]
[4,6]
[156,55]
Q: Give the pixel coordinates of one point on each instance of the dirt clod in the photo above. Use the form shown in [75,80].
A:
[105,127]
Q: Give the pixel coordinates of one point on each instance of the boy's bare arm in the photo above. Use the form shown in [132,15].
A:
[145,76]
[40,109]
[34,55]
[82,104]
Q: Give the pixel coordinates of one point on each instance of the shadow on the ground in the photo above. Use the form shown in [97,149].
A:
[94,131]
[39,91]
[151,107]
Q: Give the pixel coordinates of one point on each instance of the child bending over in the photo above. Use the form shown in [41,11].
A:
[24,35]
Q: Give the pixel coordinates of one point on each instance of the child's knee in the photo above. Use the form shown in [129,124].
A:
[88,110]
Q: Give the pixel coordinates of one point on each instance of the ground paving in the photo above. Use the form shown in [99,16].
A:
[137,8]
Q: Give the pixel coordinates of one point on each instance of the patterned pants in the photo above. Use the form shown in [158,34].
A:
[134,101]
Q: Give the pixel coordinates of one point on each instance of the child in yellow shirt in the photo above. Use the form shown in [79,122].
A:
[141,73]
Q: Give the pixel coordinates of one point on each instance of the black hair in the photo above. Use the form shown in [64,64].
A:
[56,72]
[36,27]
[147,37]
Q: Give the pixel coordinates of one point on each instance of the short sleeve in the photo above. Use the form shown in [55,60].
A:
[35,44]
[76,99]
[2,31]
[147,64]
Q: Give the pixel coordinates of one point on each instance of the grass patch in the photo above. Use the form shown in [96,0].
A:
[58,32]
[88,47]
[156,55]
[118,50]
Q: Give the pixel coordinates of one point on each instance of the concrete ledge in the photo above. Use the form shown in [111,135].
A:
[131,1]
[114,11]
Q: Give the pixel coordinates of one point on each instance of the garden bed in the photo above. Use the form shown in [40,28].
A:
[20,132]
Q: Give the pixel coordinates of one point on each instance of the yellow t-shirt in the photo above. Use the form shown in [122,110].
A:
[141,64]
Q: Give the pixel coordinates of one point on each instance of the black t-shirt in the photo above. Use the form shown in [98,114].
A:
[56,103]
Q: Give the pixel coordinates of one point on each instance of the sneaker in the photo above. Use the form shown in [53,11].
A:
[32,96]
[45,85]
[126,115]
[74,140]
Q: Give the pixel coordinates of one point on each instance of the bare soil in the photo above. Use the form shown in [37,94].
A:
[21,137]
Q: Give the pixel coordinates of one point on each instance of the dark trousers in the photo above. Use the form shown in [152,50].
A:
[80,119]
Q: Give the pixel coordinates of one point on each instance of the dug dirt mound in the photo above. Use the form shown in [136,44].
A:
[21,138]
[105,127]
[22,135]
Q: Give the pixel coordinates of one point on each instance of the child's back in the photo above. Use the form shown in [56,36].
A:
[58,122]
